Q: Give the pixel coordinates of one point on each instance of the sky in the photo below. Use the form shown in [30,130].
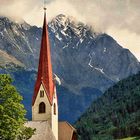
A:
[118,18]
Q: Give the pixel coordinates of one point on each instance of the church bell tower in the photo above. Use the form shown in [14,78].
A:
[44,102]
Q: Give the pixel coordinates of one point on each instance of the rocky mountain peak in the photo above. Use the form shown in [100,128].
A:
[25,25]
[61,21]
[69,25]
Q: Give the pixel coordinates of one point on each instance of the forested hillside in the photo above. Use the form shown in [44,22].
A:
[114,115]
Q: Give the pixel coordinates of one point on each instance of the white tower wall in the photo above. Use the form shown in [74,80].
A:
[55,115]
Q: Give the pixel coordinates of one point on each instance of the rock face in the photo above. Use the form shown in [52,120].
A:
[8,60]
[85,62]
[20,41]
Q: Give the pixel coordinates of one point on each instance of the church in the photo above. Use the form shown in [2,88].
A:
[45,101]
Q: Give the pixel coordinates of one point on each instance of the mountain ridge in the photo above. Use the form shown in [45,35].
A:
[81,58]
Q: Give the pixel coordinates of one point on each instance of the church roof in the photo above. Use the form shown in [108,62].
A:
[43,130]
[44,75]
[66,131]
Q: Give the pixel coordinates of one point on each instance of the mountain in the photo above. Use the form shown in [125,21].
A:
[6,59]
[20,41]
[85,62]
[114,115]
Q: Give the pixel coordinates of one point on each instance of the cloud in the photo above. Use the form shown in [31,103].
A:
[107,13]
[15,9]
[119,18]
[127,39]
[101,14]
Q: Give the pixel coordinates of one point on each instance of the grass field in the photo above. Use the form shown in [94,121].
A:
[131,138]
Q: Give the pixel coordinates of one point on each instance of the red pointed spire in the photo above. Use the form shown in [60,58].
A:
[45,75]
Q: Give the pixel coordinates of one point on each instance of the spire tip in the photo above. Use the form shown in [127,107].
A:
[45,5]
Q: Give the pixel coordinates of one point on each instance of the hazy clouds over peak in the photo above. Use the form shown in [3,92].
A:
[102,14]
[106,13]
[120,18]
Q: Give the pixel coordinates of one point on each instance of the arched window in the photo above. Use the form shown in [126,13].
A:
[54,109]
[42,107]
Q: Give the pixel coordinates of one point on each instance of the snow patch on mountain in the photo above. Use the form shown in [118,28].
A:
[66,46]
[81,40]
[99,69]
[105,50]
[57,79]
[90,61]
[58,37]
[63,32]
[77,44]
[2,34]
